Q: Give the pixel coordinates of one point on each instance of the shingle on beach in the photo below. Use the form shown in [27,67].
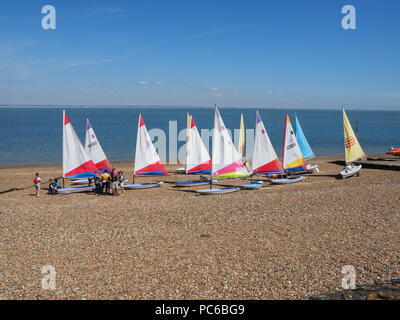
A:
[279,242]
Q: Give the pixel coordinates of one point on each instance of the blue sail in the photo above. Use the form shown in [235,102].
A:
[303,143]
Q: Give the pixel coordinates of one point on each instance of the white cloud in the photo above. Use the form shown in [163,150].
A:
[145,82]
[268,92]
[218,95]
[214,89]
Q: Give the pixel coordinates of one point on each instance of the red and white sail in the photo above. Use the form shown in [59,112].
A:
[76,161]
[226,161]
[147,160]
[94,149]
[198,160]
[264,156]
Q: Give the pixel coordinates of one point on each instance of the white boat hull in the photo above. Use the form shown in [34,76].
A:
[350,170]
[75,189]
[141,186]
[287,180]
[217,191]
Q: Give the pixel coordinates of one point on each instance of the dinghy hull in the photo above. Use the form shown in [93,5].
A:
[253,186]
[287,180]
[141,186]
[350,170]
[75,189]
[183,184]
[217,191]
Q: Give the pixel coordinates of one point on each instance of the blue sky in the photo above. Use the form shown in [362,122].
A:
[288,54]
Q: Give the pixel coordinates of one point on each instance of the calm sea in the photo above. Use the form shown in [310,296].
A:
[33,135]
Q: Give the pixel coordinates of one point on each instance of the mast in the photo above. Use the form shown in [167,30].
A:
[241,137]
[212,146]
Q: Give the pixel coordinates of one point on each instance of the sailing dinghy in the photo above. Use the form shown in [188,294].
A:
[76,162]
[265,160]
[353,150]
[226,161]
[394,151]
[95,152]
[198,160]
[305,148]
[292,158]
[147,161]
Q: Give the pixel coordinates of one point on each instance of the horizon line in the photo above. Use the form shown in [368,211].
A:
[367,108]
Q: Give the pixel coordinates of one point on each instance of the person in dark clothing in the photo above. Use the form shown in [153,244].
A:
[98,187]
[53,187]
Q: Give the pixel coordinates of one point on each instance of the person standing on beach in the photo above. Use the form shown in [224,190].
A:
[114,182]
[121,179]
[36,183]
[106,182]
[97,183]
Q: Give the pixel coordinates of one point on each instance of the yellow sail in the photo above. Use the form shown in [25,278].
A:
[241,137]
[353,148]
[188,120]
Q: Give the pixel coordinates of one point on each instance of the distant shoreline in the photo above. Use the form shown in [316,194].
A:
[78,106]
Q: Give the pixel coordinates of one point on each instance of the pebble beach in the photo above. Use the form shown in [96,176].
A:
[278,242]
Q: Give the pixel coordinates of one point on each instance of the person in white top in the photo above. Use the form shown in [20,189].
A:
[36,183]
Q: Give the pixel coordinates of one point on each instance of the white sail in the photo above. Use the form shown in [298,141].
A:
[147,160]
[226,161]
[265,159]
[94,149]
[76,161]
[198,159]
[292,157]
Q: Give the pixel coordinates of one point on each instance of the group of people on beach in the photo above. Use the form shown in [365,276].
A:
[109,182]
[105,182]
